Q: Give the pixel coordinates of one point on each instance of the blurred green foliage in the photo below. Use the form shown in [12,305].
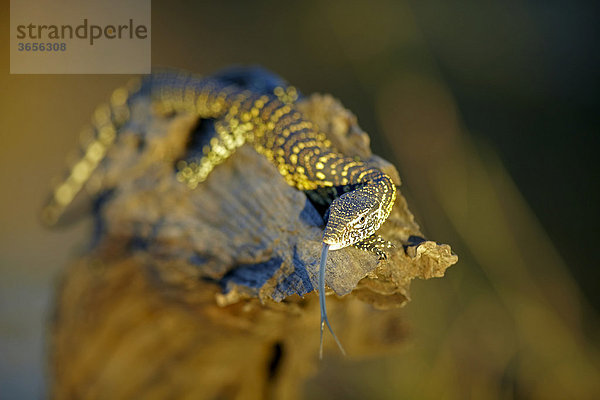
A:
[487,108]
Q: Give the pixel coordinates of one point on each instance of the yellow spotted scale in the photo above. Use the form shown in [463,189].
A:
[359,197]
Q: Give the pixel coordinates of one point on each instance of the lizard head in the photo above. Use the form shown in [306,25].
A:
[353,217]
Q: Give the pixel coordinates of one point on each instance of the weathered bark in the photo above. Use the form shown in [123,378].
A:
[209,293]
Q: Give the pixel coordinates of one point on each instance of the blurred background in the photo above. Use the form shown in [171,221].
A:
[488,109]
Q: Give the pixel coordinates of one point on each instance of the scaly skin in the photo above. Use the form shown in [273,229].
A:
[363,196]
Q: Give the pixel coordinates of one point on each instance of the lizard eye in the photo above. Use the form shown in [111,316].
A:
[360,222]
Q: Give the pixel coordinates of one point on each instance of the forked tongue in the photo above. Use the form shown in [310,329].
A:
[324,319]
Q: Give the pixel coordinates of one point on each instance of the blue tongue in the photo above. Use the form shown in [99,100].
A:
[324,319]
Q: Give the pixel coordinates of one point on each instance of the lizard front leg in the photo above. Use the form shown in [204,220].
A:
[375,244]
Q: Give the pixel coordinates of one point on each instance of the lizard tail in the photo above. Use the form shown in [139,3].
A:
[324,319]
[106,121]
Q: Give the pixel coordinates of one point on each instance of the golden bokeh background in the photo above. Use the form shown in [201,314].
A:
[485,107]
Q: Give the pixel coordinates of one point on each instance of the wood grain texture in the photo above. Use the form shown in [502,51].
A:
[209,293]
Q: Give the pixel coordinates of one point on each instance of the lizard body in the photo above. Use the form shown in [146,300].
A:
[359,197]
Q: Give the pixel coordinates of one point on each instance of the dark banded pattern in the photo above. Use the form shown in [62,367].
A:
[359,198]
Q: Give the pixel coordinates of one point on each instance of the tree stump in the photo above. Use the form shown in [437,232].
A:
[210,292]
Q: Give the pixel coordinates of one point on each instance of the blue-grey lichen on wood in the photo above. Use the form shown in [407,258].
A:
[245,227]
[210,292]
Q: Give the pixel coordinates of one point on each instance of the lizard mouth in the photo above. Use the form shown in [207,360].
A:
[334,238]
[332,244]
